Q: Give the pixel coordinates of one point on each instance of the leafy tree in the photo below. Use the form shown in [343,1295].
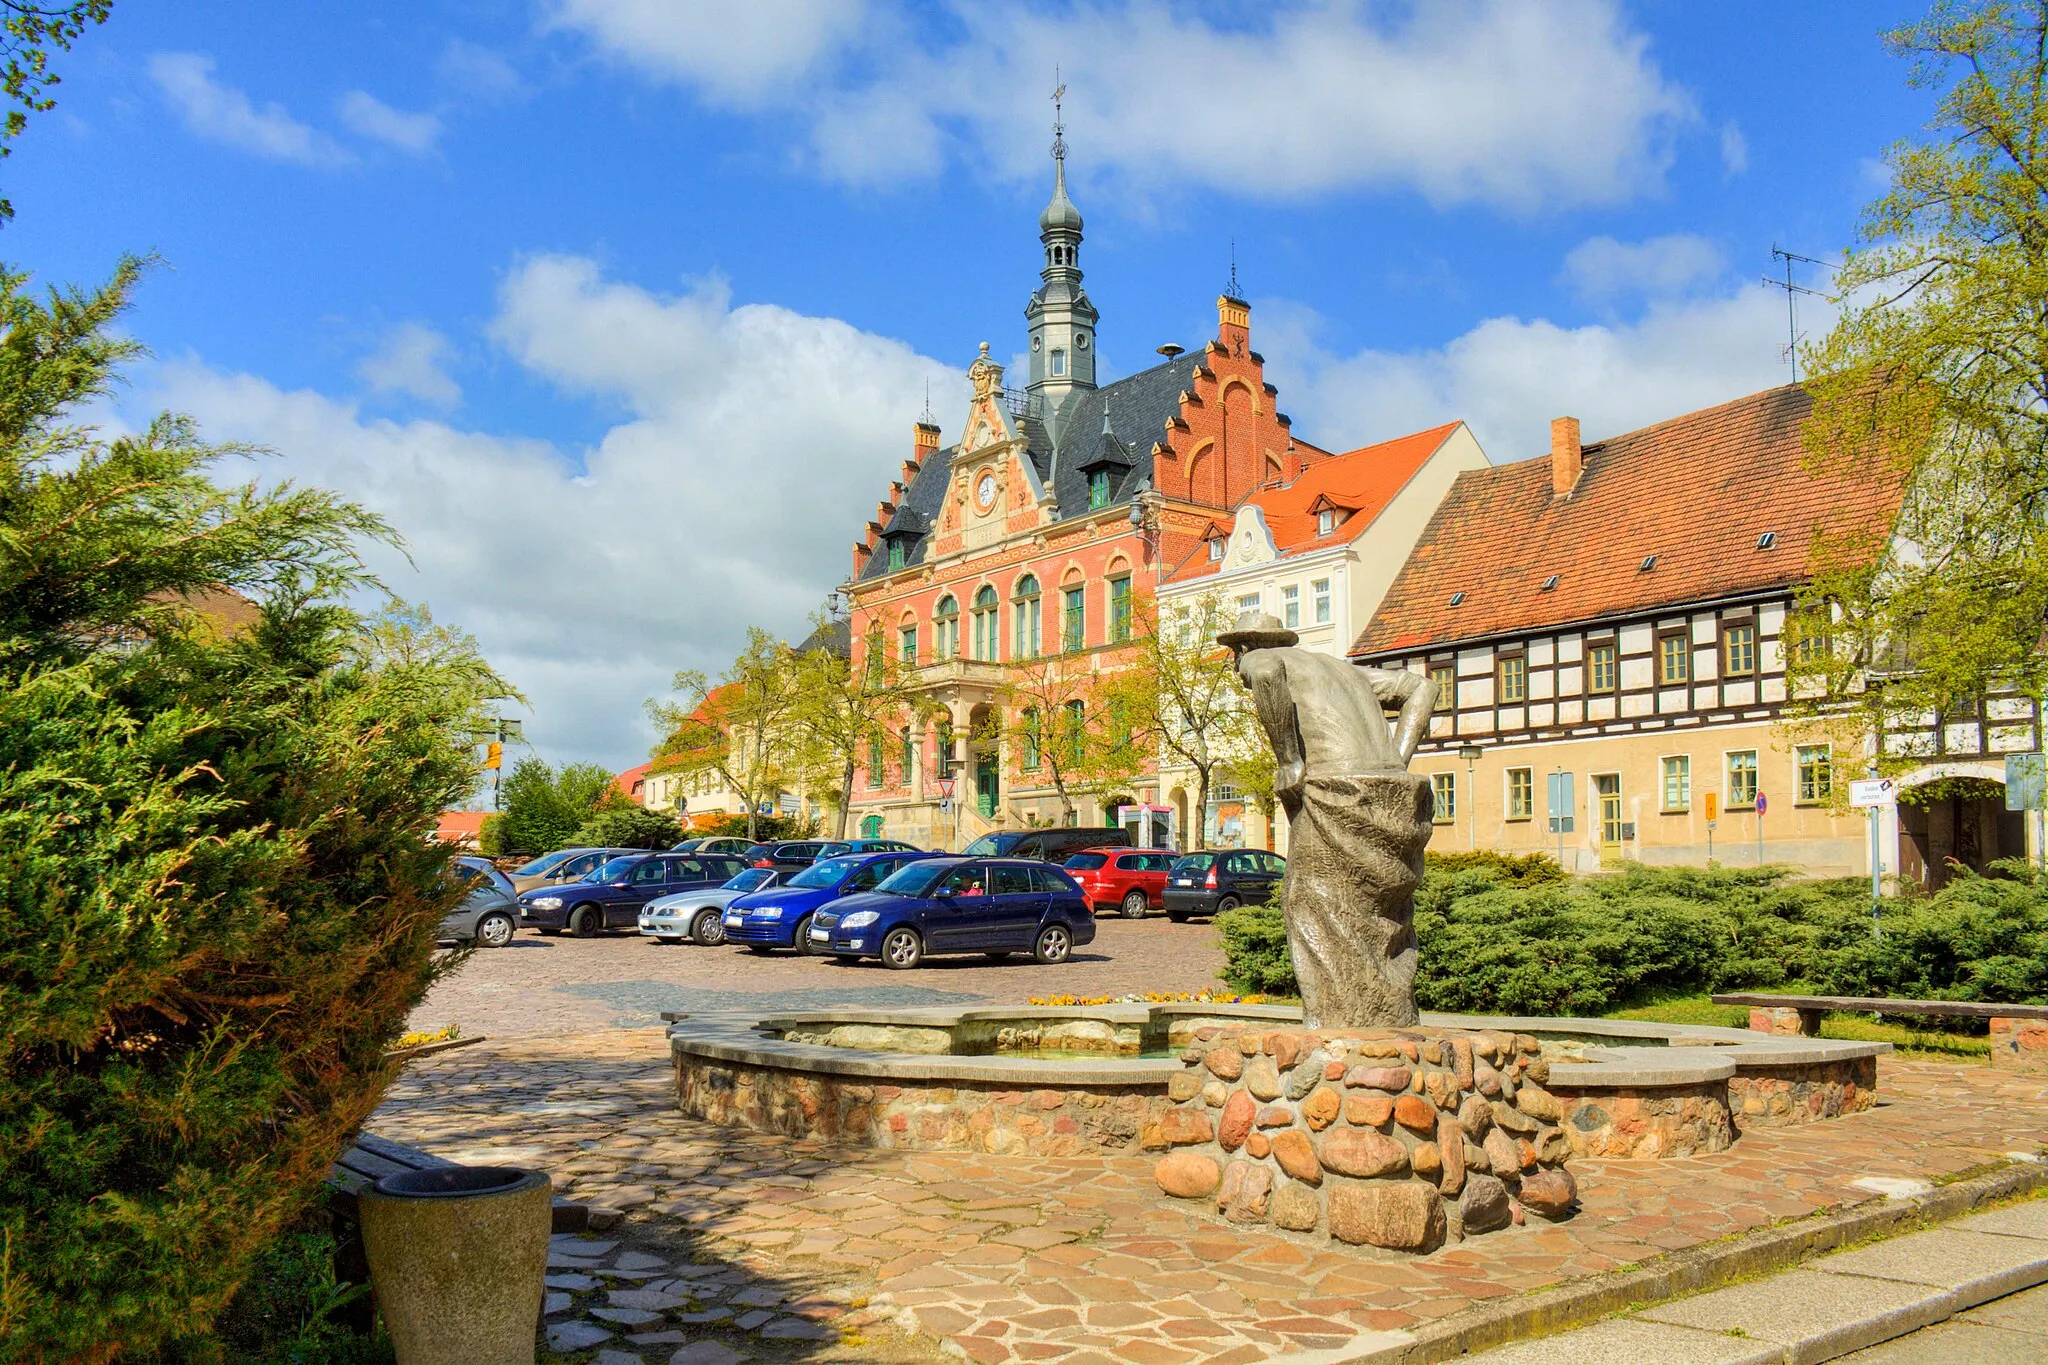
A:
[1182,692]
[1070,726]
[218,886]
[545,806]
[842,708]
[735,729]
[1937,374]
[629,826]
[30,33]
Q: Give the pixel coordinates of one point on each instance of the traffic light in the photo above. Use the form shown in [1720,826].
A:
[494,755]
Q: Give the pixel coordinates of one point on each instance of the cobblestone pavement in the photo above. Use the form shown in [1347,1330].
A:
[569,985]
[1079,1260]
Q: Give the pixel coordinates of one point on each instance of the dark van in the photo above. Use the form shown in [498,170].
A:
[1047,845]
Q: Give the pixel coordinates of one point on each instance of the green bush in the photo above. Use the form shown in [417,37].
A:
[544,806]
[1515,869]
[218,885]
[628,826]
[1497,939]
[290,1310]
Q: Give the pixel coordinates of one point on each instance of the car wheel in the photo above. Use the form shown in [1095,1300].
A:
[495,931]
[902,949]
[802,941]
[1054,944]
[759,949]
[1135,905]
[1227,904]
[584,921]
[1177,916]
[708,928]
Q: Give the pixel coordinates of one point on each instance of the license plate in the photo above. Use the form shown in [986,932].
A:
[1183,881]
[732,920]
[820,935]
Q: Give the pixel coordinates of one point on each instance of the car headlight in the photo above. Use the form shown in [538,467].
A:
[859,919]
[548,903]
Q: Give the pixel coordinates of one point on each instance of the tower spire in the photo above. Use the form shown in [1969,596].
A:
[1061,318]
[1230,289]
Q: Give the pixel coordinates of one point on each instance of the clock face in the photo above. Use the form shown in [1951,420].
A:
[985,492]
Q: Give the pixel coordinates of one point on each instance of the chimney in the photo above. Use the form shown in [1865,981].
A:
[1566,457]
[924,440]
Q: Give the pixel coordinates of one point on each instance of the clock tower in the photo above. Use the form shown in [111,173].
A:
[1062,320]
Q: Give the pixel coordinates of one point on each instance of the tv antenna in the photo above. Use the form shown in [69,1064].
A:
[1792,293]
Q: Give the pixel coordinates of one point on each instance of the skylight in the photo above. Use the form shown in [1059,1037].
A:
[1649,563]
[1767,540]
[1456,598]
[1549,584]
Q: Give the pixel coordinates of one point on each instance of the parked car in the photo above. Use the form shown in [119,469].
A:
[611,896]
[780,917]
[940,905]
[563,865]
[724,845]
[790,854]
[1221,879]
[700,914]
[488,912]
[488,871]
[1131,882]
[839,847]
[1048,845]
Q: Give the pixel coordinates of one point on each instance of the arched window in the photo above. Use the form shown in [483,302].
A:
[946,627]
[985,636]
[1026,612]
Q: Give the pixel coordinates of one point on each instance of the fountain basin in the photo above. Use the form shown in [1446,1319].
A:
[968,1079]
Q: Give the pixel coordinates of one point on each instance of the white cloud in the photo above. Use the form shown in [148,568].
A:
[1524,104]
[1508,377]
[410,360]
[743,53]
[372,118]
[1734,149]
[1602,268]
[754,439]
[222,113]
[477,72]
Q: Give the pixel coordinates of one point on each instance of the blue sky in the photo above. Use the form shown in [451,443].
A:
[621,309]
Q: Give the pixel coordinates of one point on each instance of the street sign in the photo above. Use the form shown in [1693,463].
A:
[1713,807]
[2026,782]
[494,755]
[1869,793]
[945,789]
[1761,804]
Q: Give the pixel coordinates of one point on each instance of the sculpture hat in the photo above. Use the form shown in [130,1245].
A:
[1254,631]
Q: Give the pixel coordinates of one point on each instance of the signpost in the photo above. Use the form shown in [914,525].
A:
[1713,819]
[1875,794]
[1761,806]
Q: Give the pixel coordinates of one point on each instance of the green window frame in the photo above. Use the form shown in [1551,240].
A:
[1119,610]
[1742,779]
[877,762]
[1514,679]
[898,555]
[1074,619]
[1443,791]
[1675,785]
[1074,719]
[1674,660]
[906,644]
[1098,490]
[1603,668]
[1030,730]
[946,628]
[908,753]
[1816,773]
[1521,793]
[1027,609]
[987,624]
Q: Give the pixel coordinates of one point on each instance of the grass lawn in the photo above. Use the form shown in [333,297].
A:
[1912,1040]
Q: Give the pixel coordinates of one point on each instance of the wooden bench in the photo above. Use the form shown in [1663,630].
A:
[367,1161]
[2019,1033]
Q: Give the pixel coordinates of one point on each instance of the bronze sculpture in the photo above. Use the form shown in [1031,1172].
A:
[1357,819]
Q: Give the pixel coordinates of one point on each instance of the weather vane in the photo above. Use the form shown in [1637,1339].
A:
[1059,128]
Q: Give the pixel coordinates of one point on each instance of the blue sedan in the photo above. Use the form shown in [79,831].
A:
[781,916]
[997,906]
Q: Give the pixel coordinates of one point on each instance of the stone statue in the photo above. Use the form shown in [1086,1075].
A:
[1358,820]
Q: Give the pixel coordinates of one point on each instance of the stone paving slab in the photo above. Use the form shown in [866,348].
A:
[2019,1220]
[2011,1331]
[1814,1316]
[1079,1260]
[1636,1343]
[1978,1267]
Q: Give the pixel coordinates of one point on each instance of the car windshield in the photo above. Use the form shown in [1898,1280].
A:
[1085,862]
[753,879]
[992,845]
[916,879]
[613,869]
[1195,862]
[825,873]
[544,863]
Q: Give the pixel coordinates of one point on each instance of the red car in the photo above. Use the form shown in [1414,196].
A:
[1131,881]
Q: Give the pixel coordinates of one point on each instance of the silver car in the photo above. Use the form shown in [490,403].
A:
[699,915]
[487,915]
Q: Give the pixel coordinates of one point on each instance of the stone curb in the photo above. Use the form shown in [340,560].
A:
[1695,1270]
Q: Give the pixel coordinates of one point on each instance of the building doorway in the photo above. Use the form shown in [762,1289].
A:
[1955,821]
[987,785]
[1607,788]
[871,827]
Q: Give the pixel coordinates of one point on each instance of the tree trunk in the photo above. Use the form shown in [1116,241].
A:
[1199,816]
[845,798]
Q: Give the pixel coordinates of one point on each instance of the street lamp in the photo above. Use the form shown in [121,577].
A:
[1470,753]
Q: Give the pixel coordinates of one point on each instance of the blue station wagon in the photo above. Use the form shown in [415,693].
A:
[780,917]
[945,905]
[611,896]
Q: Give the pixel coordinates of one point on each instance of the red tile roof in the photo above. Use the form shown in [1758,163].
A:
[630,781]
[1696,491]
[1362,482]
[460,826]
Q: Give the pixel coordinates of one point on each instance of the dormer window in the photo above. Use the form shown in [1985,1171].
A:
[898,556]
[1326,521]
[1215,549]
[1098,489]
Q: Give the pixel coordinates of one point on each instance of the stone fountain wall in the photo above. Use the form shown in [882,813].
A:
[1400,1138]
